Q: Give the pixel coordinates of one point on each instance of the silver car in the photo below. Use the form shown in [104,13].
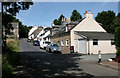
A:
[53,47]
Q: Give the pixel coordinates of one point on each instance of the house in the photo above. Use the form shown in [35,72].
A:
[15,31]
[31,31]
[43,36]
[86,36]
[37,31]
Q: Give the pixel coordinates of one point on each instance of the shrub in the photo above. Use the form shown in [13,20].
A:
[9,57]
[6,69]
[117,40]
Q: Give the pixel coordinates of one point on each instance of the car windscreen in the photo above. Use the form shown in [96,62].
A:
[55,45]
[35,41]
[47,42]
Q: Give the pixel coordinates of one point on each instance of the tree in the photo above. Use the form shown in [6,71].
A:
[10,9]
[117,40]
[56,22]
[75,15]
[59,20]
[106,18]
[23,31]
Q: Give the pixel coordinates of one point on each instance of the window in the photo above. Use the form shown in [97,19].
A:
[112,42]
[59,43]
[66,42]
[95,41]
[62,43]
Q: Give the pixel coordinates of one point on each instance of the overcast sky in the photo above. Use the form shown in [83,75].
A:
[43,13]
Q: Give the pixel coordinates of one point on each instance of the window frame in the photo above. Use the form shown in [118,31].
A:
[95,41]
[67,44]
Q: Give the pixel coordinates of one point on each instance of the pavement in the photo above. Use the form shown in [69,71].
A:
[112,64]
[37,63]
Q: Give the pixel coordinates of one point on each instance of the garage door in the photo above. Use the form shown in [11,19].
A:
[82,46]
[76,46]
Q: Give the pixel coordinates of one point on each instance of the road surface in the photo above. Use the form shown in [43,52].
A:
[36,63]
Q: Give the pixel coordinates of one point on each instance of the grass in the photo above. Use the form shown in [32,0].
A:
[9,59]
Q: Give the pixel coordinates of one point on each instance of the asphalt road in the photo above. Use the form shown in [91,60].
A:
[36,63]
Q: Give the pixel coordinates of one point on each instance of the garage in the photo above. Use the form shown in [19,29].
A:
[82,46]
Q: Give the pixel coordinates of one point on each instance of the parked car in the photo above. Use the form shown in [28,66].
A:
[53,47]
[36,43]
[28,40]
[43,44]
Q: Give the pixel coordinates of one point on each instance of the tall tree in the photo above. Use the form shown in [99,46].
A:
[117,40]
[106,18]
[56,22]
[75,15]
[61,16]
[10,9]
[59,20]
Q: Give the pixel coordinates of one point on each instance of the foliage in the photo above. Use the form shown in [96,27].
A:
[14,7]
[106,18]
[10,58]
[61,16]
[117,37]
[6,69]
[23,31]
[75,15]
[118,51]
[59,20]
[56,22]
[117,40]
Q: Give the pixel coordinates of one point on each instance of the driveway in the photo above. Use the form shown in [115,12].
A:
[36,63]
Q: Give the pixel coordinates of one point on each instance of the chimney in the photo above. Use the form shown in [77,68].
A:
[53,23]
[65,19]
[62,19]
[88,15]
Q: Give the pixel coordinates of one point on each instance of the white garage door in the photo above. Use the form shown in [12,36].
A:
[82,46]
[76,46]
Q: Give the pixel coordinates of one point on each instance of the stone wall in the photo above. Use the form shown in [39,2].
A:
[58,39]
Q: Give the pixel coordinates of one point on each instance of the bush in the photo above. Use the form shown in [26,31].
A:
[117,40]
[9,57]
[6,69]
[118,51]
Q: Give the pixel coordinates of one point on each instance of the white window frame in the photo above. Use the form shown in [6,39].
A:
[62,43]
[67,44]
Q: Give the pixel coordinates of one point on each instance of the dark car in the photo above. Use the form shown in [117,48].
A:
[36,43]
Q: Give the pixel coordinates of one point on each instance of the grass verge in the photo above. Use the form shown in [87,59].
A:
[9,57]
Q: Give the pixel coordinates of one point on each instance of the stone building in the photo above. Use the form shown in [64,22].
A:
[86,36]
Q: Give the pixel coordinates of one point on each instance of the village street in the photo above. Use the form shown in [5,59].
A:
[36,63]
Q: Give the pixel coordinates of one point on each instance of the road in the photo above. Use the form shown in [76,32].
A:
[36,63]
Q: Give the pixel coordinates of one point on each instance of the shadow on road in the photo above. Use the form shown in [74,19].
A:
[34,64]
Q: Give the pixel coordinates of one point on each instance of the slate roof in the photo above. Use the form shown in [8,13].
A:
[96,35]
[60,29]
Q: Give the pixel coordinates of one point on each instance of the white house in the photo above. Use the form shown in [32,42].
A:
[43,36]
[30,33]
[88,37]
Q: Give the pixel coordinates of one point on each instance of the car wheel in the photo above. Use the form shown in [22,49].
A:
[49,50]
